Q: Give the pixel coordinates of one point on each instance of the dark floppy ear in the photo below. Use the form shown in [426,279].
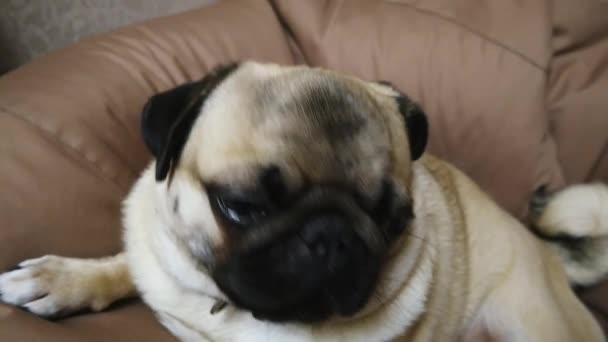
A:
[167,118]
[415,121]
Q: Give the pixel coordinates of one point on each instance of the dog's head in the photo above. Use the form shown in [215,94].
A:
[289,185]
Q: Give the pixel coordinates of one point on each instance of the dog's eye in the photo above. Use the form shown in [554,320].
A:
[240,212]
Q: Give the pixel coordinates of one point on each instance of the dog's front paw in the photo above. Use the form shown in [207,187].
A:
[51,286]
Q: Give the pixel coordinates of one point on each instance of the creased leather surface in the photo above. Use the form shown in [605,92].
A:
[577,101]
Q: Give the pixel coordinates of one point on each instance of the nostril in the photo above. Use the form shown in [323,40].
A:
[325,236]
[319,249]
[317,242]
[340,245]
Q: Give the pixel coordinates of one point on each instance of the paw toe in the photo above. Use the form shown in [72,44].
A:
[20,286]
[46,306]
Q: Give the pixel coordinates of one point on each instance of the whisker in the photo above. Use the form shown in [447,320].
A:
[426,241]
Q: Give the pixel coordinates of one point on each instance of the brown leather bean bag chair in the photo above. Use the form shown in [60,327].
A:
[516,92]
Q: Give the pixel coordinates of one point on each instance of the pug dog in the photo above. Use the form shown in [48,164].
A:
[289,203]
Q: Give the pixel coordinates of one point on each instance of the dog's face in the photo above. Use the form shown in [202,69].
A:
[287,185]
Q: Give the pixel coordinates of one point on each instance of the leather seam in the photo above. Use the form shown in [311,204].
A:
[598,162]
[94,167]
[294,46]
[477,33]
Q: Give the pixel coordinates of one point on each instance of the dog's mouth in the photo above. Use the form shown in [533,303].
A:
[294,280]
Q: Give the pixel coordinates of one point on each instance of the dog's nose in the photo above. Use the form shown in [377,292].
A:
[328,238]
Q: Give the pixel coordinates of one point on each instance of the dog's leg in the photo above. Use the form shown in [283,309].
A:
[53,286]
[575,222]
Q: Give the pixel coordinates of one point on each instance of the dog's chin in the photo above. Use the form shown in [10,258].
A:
[318,306]
[317,309]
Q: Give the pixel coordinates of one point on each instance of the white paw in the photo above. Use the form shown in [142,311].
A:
[48,286]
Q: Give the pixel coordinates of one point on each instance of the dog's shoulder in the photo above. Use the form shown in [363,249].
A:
[443,173]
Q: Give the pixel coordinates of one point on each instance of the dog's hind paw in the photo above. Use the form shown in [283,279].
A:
[575,222]
[577,211]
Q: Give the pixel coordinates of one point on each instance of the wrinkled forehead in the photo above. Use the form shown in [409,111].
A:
[319,122]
